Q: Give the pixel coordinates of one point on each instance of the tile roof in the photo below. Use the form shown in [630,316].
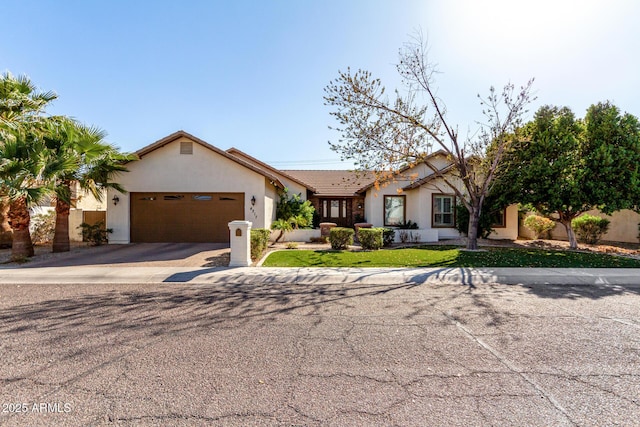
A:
[338,183]
[261,165]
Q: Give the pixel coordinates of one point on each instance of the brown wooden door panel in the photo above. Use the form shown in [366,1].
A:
[94,217]
[184,217]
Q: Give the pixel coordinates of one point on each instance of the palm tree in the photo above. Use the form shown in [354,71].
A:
[79,154]
[20,100]
[20,105]
[23,181]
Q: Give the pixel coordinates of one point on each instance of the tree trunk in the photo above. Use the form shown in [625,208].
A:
[6,233]
[61,234]
[573,242]
[20,219]
[472,233]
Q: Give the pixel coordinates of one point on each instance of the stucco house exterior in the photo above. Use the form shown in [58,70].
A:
[183,189]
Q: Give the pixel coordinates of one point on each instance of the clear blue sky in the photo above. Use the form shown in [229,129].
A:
[250,74]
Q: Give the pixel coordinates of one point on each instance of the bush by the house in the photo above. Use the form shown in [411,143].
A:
[293,209]
[371,238]
[484,223]
[321,239]
[259,242]
[96,233]
[341,238]
[589,229]
[44,226]
[388,236]
[539,225]
[408,225]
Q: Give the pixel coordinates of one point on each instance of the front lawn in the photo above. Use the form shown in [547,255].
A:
[447,256]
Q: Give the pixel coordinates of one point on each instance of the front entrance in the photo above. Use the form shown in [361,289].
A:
[184,217]
[338,211]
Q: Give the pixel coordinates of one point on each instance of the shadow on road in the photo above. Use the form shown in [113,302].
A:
[175,309]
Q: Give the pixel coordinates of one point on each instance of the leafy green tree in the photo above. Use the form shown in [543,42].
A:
[564,167]
[384,135]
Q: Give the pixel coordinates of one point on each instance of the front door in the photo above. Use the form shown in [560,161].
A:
[337,211]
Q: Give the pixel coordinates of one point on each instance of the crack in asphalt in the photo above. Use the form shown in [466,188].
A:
[506,362]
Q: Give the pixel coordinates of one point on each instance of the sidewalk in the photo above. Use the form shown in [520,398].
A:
[321,276]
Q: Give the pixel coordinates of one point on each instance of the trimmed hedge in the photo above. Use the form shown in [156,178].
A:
[589,229]
[388,236]
[539,224]
[371,238]
[341,238]
[259,242]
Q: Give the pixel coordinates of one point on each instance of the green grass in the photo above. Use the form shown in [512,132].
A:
[447,256]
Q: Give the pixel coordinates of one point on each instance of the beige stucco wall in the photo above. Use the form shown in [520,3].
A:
[270,200]
[75,219]
[420,206]
[623,227]
[166,170]
[509,232]
[88,202]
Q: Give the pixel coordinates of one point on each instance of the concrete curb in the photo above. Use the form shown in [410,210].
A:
[324,276]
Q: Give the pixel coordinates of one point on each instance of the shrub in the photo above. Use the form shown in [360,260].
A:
[388,236]
[539,225]
[321,239]
[44,226]
[408,225]
[371,238]
[299,213]
[259,242]
[341,237]
[292,245]
[96,233]
[589,229]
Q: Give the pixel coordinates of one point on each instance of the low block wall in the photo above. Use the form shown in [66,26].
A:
[300,235]
[424,235]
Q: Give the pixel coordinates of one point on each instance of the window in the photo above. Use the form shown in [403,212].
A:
[499,219]
[394,210]
[444,206]
[335,209]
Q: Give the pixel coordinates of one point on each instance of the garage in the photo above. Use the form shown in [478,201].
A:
[184,217]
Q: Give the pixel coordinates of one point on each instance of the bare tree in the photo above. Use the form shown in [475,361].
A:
[387,136]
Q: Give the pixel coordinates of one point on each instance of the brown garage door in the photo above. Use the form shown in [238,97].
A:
[184,217]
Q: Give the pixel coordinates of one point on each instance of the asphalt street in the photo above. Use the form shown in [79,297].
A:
[289,354]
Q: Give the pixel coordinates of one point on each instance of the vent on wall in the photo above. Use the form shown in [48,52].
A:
[186,147]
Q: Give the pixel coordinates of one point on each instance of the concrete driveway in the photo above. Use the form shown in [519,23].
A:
[180,354]
[140,255]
